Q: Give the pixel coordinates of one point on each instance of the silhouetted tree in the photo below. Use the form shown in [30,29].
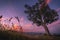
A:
[0,22]
[1,17]
[21,29]
[10,19]
[41,14]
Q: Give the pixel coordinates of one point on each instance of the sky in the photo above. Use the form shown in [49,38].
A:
[12,8]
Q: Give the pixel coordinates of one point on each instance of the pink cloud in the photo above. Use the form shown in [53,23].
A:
[27,26]
[54,23]
[47,1]
[53,27]
[58,9]
[22,19]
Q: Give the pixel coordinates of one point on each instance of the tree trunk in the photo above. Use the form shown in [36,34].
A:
[43,20]
[46,29]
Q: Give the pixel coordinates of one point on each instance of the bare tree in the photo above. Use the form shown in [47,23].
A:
[21,30]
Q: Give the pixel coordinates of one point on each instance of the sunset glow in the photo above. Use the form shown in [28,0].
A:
[13,8]
[48,1]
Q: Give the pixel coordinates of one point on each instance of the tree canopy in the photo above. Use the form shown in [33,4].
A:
[39,10]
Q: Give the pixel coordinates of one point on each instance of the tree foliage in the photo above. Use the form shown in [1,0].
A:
[35,12]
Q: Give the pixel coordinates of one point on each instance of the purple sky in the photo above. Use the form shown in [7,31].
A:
[11,8]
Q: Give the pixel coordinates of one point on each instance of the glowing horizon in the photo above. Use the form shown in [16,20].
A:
[11,8]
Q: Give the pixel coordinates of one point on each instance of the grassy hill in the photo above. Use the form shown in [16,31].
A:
[12,35]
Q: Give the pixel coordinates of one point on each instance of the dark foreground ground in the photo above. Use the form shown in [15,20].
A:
[12,35]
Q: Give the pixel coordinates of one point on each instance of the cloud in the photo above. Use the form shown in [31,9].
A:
[54,27]
[27,26]
[22,19]
[58,9]
[54,23]
[47,1]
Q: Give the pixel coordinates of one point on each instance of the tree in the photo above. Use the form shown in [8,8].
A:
[1,17]
[1,27]
[41,14]
[21,29]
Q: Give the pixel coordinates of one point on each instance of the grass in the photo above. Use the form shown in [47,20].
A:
[12,35]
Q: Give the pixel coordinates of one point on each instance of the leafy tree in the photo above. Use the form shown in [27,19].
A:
[41,14]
